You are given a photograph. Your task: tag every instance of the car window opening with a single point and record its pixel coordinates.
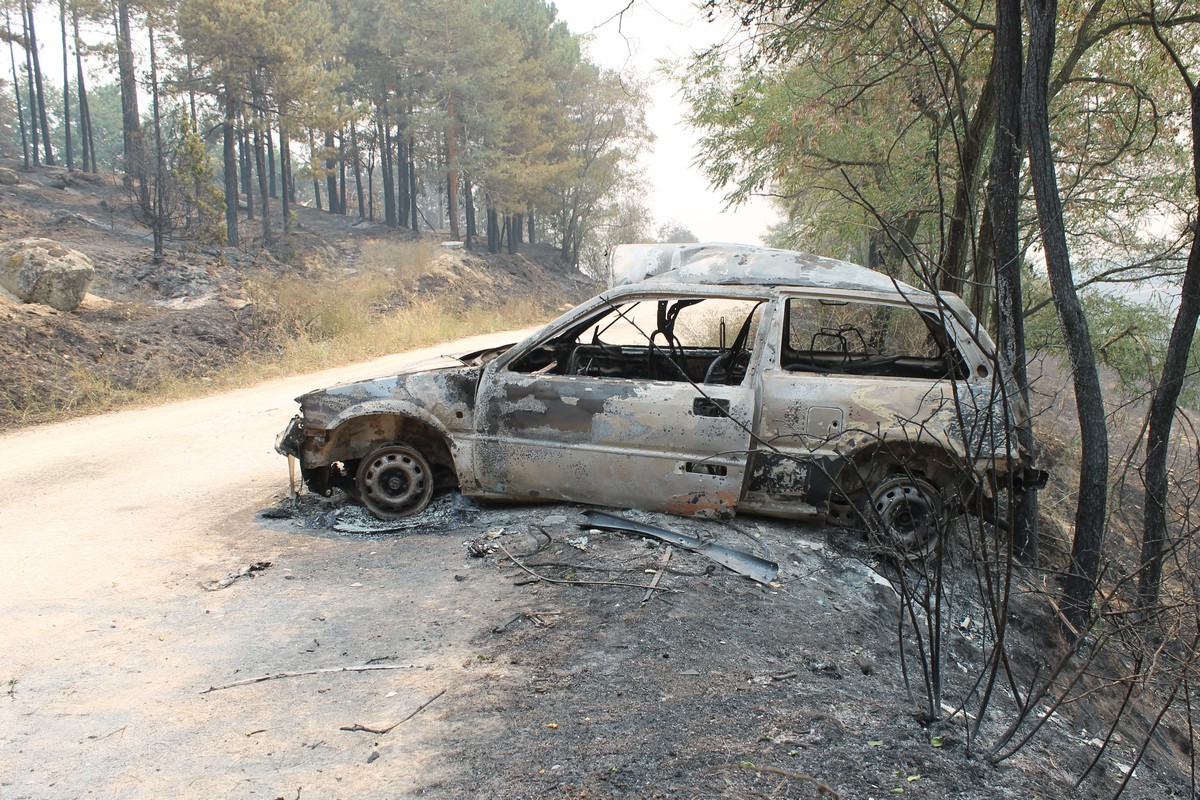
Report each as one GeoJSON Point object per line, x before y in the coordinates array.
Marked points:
{"type": "Point", "coordinates": [671, 339]}
{"type": "Point", "coordinates": [875, 339]}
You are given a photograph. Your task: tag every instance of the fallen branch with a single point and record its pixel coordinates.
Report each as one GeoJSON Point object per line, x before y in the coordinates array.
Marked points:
{"type": "Point", "coordinates": [245, 572]}
{"type": "Point", "coordinates": [274, 676]}
{"type": "Point", "coordinates": [390, 728]}
{"type": "Point", "coordinates": [822, 787]}
{"type": "Point", "coordinates": [584, 583]}
{"type": "Point", "coordinates": [662, 563]}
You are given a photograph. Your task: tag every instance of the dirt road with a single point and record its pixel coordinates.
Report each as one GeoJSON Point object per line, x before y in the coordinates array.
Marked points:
{"type": "Point", "coordinates": [108, 528]}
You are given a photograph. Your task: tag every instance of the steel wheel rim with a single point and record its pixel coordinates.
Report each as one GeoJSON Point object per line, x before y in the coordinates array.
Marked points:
{"type": "Point", "coordinates": [395, 481]}
{"type": "Point", "coordinates": [905, 516]}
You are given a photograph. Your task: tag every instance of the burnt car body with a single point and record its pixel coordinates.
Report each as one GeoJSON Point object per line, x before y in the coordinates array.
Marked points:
{"type": "Point", "coordinates": [709, 380]}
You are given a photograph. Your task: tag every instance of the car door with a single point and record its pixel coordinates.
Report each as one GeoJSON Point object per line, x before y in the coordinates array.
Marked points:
{"type": "Point", "coordinates": [622, 440]}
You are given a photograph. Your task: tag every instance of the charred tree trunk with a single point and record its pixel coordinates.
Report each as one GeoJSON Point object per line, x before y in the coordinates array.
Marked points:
{"type": "Point", "coordinates": [1004, 196]}
{"type": "Point", "coordinates": [43, 119]}
{"type": "Point", "coordinates": [493, 230]}
{"type": "Point", "coordinates": [229, 147]}
{"type": "Point", "coordinates": [34, 130]}
{"type": "Point", "coordinates": [131, 125]}
{"type": "Point", "coordinates": [12, 57]}
{"type": "Point", "coordinates": [68, 148]}
{"type": "Point", "coordinates": [260, 168]}
{"type": "Point", "coordinates": [1165, 400]}
{"type": "Point", "coordinates": [358, 184]}
{"type": "Point", "coordinates": [331, 187]}
{"type": "Point", "coordinates": [285, 177]}
{"type": "Point", "coordinates": [247, 165]}
{"type": "Point", "coordinates": [383, 132]}
{"type": "Point", "coordinates": [963, 216]}
{"type": "Point", "coordinates": [272, 192]}
{"type": "Point", "coordinates": [452, 170]}
{"type": "Point", "coordinates": [529, 223]}
{"type": "Point", "coordinates": [87, 140]}
{"type": "Point", "coordinates": [341, 157]}
{"type": "Point", "coordinates": [312, 159]}
{"type": "Point", "coordinates": [1084, 569]}
{"type": "Point", "coordinates": [469, 207]}
{"type": "Point", "coordinates": [412, 185]}
{"type": "Point", "coordinates": [403, 197]}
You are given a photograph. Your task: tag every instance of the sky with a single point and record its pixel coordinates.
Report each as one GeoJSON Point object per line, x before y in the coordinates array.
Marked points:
{"type": "Point", "coordinates": [634, 42]}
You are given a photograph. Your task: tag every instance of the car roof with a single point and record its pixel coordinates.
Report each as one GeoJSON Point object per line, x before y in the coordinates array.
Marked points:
{"type": "Point", "coordinates": [722, 264]}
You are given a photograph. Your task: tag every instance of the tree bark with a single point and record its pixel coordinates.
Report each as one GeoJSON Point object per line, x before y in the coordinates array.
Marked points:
{"type": "Point", "coordinates": [961, 226]}
{"type": "Point", "coordinates": [47, 146]}
{"type": "Point", "coordinates": [1004, 199]}
{"type": "Point", "coordinates": [452, 169]}
{"type": "Point", "coordinates": [412, 185]}
{"type": "Point", "coordinates": [86, 139]}
{"type": "Point", "coordinates": [34, 135]}
{"type": "Point", "coordinates": [312, 158]}
{"type": "Point", "coordinates": [1165, 400]}
{"type": "Point", "coordinates": [1084, 569]}
{"type": "Point", "coordinates": [358, 184]}
{"type": "Point", "coordinates": [331, 187]}
{"type": "Point", "coordinates": [131, 121]}
{"type": "Point", "coordinates": [271, 187]}
{"type": "Point", "coordinates": [12, 57]}
{"type": "Point", "coordinates": [68, 148]}
{"type": "Point", "coordinates": [386, 163]}
{"type": "Point", "coordinates": [285, 196]}
{"type": "Point", "coordinates": [229, 146]}
{"type": "Point", "coordinates": [260, 168]}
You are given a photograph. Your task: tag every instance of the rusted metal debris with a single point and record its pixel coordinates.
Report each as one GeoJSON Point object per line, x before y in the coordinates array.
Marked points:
{"type": "Point", "coordinates": [710, 380]}
{"type": "Point", "coordinates": [753, 567]}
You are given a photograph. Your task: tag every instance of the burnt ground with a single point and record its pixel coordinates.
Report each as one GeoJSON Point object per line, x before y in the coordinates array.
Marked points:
{"type": "Point", "coordinates": [189, 317]}
{"type": "Point", "coordinates": [720, 687]}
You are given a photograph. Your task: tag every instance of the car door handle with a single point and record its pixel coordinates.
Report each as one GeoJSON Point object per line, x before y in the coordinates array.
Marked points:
{"type": "Point", "coordinates": [710, 407]}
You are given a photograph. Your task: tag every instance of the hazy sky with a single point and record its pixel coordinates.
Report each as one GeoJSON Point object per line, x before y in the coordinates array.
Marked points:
{"type": "Point", "coordinates": [648, 31]}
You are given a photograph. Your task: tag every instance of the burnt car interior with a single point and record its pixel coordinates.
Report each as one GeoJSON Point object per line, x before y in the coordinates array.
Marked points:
{"type": "Point", "coordinates": [847, 338]}
{"type": "Point", "coordinates": [697, 339]}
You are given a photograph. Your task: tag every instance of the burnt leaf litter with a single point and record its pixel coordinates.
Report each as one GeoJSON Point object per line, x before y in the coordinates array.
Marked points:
{"type": "Point", "coordinates": [724, 687]}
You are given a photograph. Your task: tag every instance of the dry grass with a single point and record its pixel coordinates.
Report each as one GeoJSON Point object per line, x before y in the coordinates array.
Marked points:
{"type": "Point", "coordinates": [307, 325]}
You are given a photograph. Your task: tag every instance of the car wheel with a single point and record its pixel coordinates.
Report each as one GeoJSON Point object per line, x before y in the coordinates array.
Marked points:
{"type": "Point", "coordinates": [904, 517]}
{"type": "Point", "coordinates": [394, 481]}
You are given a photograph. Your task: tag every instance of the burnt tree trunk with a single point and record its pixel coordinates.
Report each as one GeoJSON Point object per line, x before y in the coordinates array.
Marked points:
{"type": "Point", "coordinates": [1004, 197]}
{"type": "Point", "coordinates": [12, 57]}
{"type": "Point", "coordinates": [358, 183]}
{"type": "Point", "coordinates": [34, 129]}
{"type": "Point", "coordinates": [285, 196]}
{"type": "Point", "coordinates": [331, 185]}
{"type": "Point", "coordinates": [961, 226]}
{"type": "Point", "coordinates": [229, 151]}
{"type": "Point", "coordinates": [412, 184]}
{"type": "Point", "coordinates": [1083, 571]}
{"type": "Point", "coordinates": [68, 147]}
{"type": "Point", "coordinates": [312, 157]}
{"type": "Point", "coordinates": [1166, 399]}
{"type": "Point", "coordinates": [87, 139]}
{"type": "Point", "coordinates": [131, 125]}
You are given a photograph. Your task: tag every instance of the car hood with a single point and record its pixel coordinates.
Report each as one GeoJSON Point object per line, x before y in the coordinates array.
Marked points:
{"type": "Point", "coordinates": [439, 387]}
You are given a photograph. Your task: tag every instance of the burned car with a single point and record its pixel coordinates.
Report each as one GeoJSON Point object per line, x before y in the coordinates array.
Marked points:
{"type": "Point", "coordinates": [709, 379]}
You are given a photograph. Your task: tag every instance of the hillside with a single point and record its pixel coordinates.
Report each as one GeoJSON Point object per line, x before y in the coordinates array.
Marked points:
{"type": "Point", "coordinates": [147, 327]}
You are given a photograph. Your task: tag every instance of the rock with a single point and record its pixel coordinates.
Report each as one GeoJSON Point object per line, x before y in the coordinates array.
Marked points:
{"type": "Point", "coordinates": [44, 271]}
{"type": "Point", "coordinates": [9, 177]}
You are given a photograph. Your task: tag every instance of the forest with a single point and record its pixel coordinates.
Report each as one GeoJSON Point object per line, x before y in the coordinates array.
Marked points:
{"type": "Point", "coordinates": [483, 119]}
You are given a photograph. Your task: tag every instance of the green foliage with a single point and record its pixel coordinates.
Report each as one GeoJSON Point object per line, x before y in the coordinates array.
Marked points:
{"type": "Point", "coordinates": [193, 171]}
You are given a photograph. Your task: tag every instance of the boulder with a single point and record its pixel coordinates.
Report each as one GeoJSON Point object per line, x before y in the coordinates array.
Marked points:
{"type": "Point", "coordinates": [44, 271]}
{"type": "Point", "coordinates": [9, 177]}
